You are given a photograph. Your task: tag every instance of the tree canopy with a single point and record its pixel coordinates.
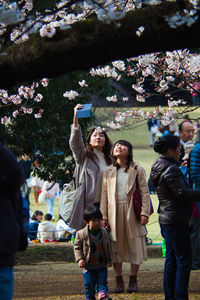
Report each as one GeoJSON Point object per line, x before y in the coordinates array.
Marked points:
{"type": "Point", "coordinates": [41, 40]}
{"type": "Point", "coordinates": [91, 42]}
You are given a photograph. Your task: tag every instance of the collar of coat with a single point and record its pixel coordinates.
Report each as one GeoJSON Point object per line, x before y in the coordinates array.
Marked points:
{"type": "Point", "coordinates": [132, 173]}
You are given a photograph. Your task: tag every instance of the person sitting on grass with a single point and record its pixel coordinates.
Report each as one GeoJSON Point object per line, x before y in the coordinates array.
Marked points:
{"type": "Point", "coordinates": [64, 231]}
{"type": "Point", "coordinates": [33, 226]}
{"type": "Point", "coordinates": [92, 251]}
{"type": "Point", "coordinates": [47, 230]}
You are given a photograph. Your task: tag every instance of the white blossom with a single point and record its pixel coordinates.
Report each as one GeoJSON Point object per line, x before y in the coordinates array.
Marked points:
{"type": "Point", "coordinates": [177, 20]}
{"type": "Point", "coordinates": [114, 126]}
{"type": "Point", "coordinates": [119, 64]}
{"type": "Point", "coordinates": [5, 120]}
{"type": "Point", "coordinates": [112, 98]}
{"type": "Point", "coordinates": [83, 83]}
{"type": "Point", "coordinates": [9, 14]}
{"type": "Point", "coordinates": [38, 97]}
{"type": "Point", "coordinates": [44, 82]}
{"type": "Point", "coordinates": [15, 113]}
{"type": "Point", "coordinates": [140, 30]}
{"type": "Point", "coordinates": [140, 98]}
{"type": "Point", "coordinates": [47, 31]}
{"type": "Point", "coordinates": [138, 89]}
{"type": "Point", "coordinates": [70, 94]}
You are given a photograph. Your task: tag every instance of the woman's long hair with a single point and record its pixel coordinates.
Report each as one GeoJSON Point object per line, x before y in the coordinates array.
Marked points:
{"type": "Point", "coordinates": [129, 157]}
{"type": "Point", "coordinates": [106, 148]}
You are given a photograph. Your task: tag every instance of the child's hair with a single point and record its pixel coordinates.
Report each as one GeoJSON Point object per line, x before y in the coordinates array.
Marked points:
{"type": "Point", "coordinates": [35, 214]}
{"type": "Point", "coordinates": [48, 217]}
{"type": "Point", "coordinates": [92, 213]}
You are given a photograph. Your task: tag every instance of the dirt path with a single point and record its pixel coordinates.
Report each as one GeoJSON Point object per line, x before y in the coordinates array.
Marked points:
{"type": "Point", "coordinates": [64, 281]}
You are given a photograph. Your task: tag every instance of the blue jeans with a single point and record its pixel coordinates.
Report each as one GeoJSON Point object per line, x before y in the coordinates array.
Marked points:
{"type": "Point", "coordinates": [6, 283]}
{"type": "Point", "coordinates": [50, 204]}
{"type": "Point", "coordinates": [96, 280]}
{"type": "Point", "coordinates": [178, 261]}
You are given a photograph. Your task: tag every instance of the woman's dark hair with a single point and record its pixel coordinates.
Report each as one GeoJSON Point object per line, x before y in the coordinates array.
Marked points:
{"type": "Point", "coordinates": [167, 142]}
{"type": "Point", "coordinates": [35, 214]}
{"type": "Point", "coordinates": [92, 213]}
{"type": "Point", "coordinates": [129, 157]}
{"type": "Point", "coordinates": [106, 148]}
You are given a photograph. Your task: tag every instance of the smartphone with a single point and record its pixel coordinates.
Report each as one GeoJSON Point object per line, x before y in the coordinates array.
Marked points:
{"type": "Point", "coordinates": [85, 111]}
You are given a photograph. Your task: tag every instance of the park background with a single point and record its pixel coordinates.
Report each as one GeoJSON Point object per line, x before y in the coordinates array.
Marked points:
{"type": "Point", "coordinates": [143, 154]}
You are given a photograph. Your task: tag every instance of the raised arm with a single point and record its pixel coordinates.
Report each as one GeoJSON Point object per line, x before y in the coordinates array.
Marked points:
{"type": "Point", "coordinates": [76, 140]}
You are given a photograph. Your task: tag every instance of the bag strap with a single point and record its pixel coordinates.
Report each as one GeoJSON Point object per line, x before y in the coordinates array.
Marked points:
{"type": "Point", "coordinates": [136, 178]}
{"type": "Point", "coordinates": [51, 186]}
{"type": "Point", "coordinates": [82, 171]}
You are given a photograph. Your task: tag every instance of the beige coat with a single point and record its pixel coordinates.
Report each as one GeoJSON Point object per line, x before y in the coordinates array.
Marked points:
{"type": "Point", "coordinates": [108, 199]}
{"type": "Point", "coordinates": [82, 248]}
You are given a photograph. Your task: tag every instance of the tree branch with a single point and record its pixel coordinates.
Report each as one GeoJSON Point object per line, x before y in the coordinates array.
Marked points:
{"type": "Point", "coordinates": [91, 43]}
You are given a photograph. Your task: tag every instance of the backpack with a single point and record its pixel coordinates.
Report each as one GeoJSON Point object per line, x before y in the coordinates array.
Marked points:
{"type": "Point", "coordinates": [23, 220]}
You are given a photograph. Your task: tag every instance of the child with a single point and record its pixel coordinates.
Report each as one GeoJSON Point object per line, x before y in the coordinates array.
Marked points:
{"type": "Point", "coordinates": [47, 230]}
{"type": "Point", "coordinates": [93, 253]}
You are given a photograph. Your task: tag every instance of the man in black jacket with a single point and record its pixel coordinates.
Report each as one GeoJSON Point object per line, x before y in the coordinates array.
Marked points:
{"type": "Point", "coordinates": [11, 179]}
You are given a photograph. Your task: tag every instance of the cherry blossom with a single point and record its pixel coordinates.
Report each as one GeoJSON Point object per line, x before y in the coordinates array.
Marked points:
{"type": "Point", "coordinates": [70, 94]}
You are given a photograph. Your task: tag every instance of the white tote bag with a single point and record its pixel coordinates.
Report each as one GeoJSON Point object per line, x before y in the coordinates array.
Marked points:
{"type": "Point", "coordinates": [42, 197]}
{"type": "Point", "coordinates": [69, 196]}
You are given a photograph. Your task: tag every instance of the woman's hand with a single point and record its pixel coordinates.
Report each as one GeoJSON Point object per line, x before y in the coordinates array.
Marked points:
{"type": "Point", "coordinates": [75, 121]}
{"type": "Point", "coordinates": [144, 220]}
{"type": "Point", "coordinates": [104, 223]}
{"type": "Point", "coordinates": [81, 263]}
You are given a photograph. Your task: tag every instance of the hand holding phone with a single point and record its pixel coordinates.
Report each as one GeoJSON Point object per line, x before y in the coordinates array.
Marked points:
{"type": "Point", "coordinates": [85, 111]}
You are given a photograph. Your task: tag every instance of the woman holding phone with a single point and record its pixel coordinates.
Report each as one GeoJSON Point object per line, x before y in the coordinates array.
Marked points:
{"type": "Point", "coordinates": [95, 155]}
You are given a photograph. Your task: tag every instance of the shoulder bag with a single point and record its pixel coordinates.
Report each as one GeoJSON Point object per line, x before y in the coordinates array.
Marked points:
{"type": "Point", "coordinates": [137, 200]}
{"type": "Point", "coordinates": [69, 196]}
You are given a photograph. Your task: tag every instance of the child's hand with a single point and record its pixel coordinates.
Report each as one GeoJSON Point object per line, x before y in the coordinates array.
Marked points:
{"type": "Point", "coordinates": [81, 263]}
{"type": "Point", "coordinates": [47, 195]}
{"type": "Point", "coordinates": [109, 265]}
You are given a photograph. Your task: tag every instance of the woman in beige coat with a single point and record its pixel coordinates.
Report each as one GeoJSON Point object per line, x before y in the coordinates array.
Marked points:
{"type": "Point", "coordinates": [127, 234]}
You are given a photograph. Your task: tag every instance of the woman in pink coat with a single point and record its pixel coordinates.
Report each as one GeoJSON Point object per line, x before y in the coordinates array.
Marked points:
{"type": "Point", "coordinates": [127, 234]}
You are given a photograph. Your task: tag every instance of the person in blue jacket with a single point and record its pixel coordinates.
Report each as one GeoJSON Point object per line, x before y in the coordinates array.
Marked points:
{"type": "Point", "coordinates": [33, 226]}
{"type": "Point", "coordinates": [194, 174]}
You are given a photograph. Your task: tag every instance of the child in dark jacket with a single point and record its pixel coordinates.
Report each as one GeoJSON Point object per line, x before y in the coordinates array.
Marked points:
{"type": "Point", "coordinates": [93, 253]}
